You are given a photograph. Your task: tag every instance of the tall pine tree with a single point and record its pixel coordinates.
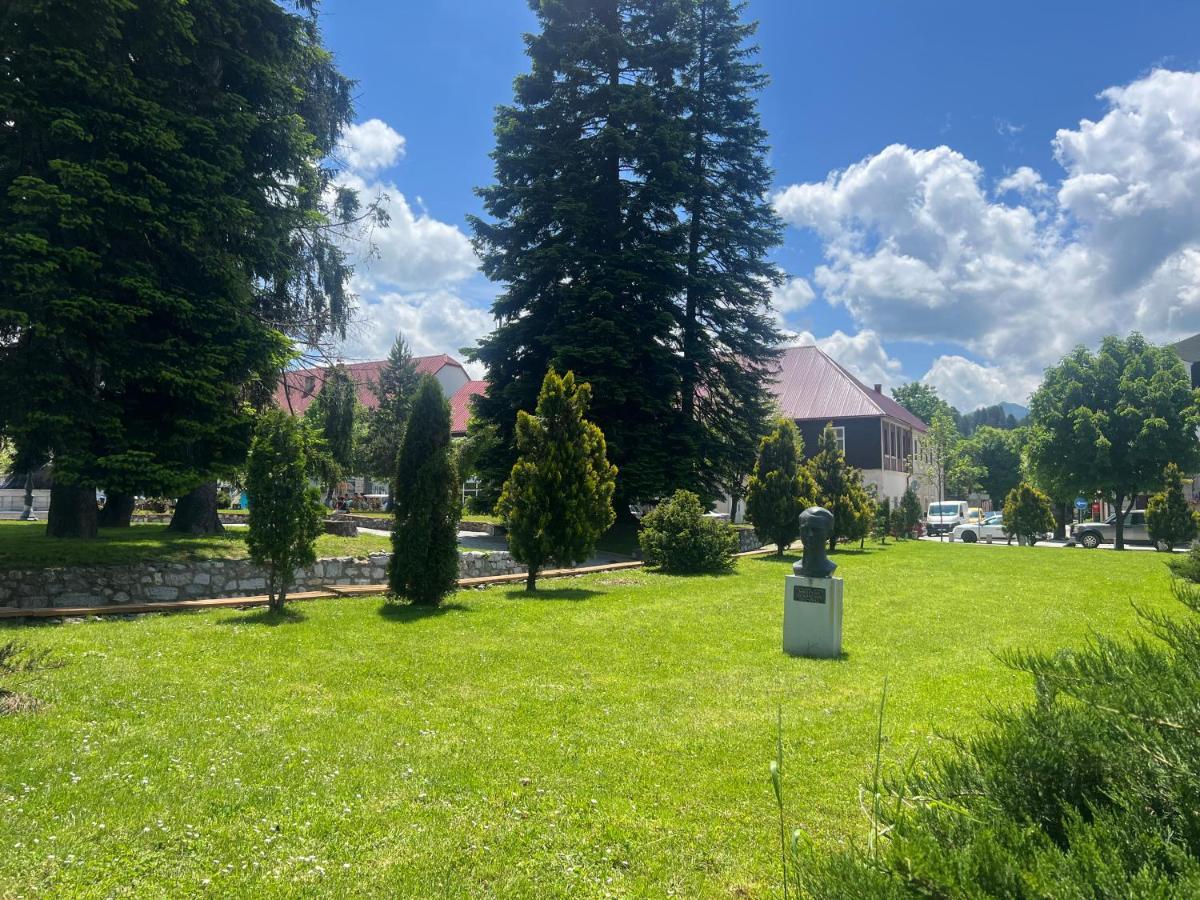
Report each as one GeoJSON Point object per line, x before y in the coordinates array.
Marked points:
{"type": "Point", "coordinates": [585, 233]}
{"type": "Point", "coordinates": [727, 337]}
{"type": "Point", "coordinates": [394, 392]}
{"type": "Point", "coordinates": [161, 233]}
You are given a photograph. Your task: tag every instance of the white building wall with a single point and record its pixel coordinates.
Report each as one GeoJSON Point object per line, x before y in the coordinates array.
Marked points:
{"type": "Point", "coordinates": [451, 378]}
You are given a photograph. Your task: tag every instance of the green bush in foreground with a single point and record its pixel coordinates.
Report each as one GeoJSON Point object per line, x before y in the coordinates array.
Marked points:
{"type": "Point", "coordinates": [285, 510]}
{"type": "Point", "coordinates": [426, 504]}
{"type": "Point", "coordinates": [677, 537]}
{"type": "Point", "coordinates": [1092, 790]}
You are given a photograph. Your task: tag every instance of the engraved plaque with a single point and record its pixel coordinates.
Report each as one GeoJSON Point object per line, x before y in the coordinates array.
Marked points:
{"type": "Point", "coordinates": [805, 594]}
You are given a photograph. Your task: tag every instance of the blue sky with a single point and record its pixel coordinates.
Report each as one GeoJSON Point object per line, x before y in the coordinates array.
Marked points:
{"type": "Point", "coordinates": [913, 262]}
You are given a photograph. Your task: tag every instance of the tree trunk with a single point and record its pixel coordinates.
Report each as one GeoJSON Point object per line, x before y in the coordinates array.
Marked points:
{"type": "Point", "coordinates": [1062, 513]}
{"type": "Point", "coordinates": [118, 510]}
{"type": "Point", "coordinates": [1119, 526]}
{"type": "Point", "coordinates": [531, 579]}
{"type": "Point", "coordinates": [196, 511]}
{"type": "Point", "coordinates": [27, 515]}
{"type": "Point", "coordinates": [72, 511]}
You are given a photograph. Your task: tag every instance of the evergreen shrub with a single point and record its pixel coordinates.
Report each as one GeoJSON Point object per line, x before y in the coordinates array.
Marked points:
{"type": "Point", "coordinates": [677, 537]}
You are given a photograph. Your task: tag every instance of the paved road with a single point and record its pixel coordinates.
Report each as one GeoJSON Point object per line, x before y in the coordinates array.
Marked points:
{"type": "Point", "coordinates": [1059, 545]}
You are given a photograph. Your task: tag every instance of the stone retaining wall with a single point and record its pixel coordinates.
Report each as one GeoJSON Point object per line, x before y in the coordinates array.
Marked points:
{"type": "Point", "coordinates": [747, 540]}
{"type": "Point", "coordinates": [156, 582]}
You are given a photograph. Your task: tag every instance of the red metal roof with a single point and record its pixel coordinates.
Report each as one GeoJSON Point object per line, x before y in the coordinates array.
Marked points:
{"type": "Point", "coordinates": [296, 391]}
{"type": "Point", "coordinates": [460, 406]}
{"type": "Point", "coordinates": [812, 385]}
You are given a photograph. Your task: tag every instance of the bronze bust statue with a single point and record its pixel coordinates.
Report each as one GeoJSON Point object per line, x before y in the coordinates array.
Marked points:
{"type": "Point", "coordinates": [816, 525]}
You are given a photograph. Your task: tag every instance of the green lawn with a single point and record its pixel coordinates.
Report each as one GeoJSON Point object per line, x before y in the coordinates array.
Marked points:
{"type": "Point", "coordinates": [24, 545]}
{"type": "Point", "coordinates": [608, 736]}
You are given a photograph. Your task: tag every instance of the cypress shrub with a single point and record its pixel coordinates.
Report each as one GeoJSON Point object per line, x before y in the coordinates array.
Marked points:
{"type": "Point", "coordinates": [285, 510]}
{"type": "Point", "coordinates": [426, 506]}
{"type": "Point", "coordinates": [1028, 513]}
{"type": "Point", "coordinates": [1169, 519]}
{"type": "Point", "coordinates": [557, 500]}
{"type": "Point", "coordinates": [780, 487]}
{"type": "Point", "coordinates": [677, 537]}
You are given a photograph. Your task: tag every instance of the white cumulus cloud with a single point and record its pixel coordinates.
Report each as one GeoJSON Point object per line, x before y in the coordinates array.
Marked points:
{"type": "Point", "coordinates": [969, 385]}
{"type": "Point", "coordinates": [916, 248]}
{"type": "Point", "coordinates": [370, 146]}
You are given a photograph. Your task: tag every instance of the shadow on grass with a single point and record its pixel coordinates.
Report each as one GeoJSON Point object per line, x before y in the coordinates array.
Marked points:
{"type": "Point", "coordinates": [570, 594]}
{"type": "Point", "coordinates": [409, 612]}
{"type": "Point", "coordinates": [772, 558]}
{"type": "Point", "coordinates": [289, 615]}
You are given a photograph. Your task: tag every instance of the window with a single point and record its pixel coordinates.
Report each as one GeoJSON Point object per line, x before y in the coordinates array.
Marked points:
{"type": "Point", "coordinates": [310, 385]}
{"type": "Point", "coordinates": [840, 433]}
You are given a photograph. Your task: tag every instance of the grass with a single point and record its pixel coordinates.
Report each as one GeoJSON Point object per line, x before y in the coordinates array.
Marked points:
{"type": "Point", "coordinates": [24, 545]}
{"type": "Point", "coordinates": [608, 735]}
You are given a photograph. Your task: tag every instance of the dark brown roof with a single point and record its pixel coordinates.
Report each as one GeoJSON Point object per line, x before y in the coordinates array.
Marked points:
{"type": "Point", "coordinates": [294, 393]}
{"type": "Point", "coordinates": [813, 385]}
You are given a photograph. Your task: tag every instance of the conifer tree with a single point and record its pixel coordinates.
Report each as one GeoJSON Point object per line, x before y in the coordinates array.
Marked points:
{"type": "Point", "coordinates": [394, 392]}
{"type": "Point", "coordinates": [882, 525]}
{"type": "Point", "coordinates": [780, 487]}
{"type": "Point", "coordinates": [332, 414]}
{"type": "Point", "coordinates": [910, 511]}
{"type": "Point", "coordinates": [857, 510]}
{"type": "Point", "coordinates": [285, 510]}
{"type": "Point", "coordinates": [836, 485]}
{"type": "Point", "coordinates": [424, 565]}
{"type": "Point", "coordinates": [558, 498]}
{"type": "Point", "coordinates": [1028, 514]}
{"type": "Point", "coordinates": [585, 237]}
{"type": "Point", "coordinates": [1169, 519]}
{"type": "Point", "coordinates": [727, 337]}
{"type": "Point", "coordinates": [165, 231]}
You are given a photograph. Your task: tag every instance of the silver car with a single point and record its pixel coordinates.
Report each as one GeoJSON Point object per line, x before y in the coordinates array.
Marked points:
{"type": "Point", "coordinates": [1092, 534]}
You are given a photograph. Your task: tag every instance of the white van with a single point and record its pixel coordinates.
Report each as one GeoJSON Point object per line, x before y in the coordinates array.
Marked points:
{"type": "Point", "coordinates": [943, 517]}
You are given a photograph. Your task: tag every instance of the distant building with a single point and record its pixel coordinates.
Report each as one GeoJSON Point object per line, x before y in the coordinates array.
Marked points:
{"type": "Point", "coordinates": [877, 434]}
{"type": "Point", "coordinates": [300, 386]}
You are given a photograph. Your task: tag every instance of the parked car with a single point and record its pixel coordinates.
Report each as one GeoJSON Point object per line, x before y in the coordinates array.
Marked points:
{"type": "Point", "coordinates": [992, 527]}
{"type": "Point", "coordinates": [945, 515]}
{"type": "Point", "coordinates": [975, 515]}
{"type": "Point", "coordinates": [1092, 534]}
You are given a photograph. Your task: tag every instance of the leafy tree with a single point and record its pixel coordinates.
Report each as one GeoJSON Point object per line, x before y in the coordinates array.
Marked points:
{"type": "Point", "coordinates": [679, 538]}
{"type": "Point", "coordinates": [332, 414]}
{"type": "Point", "coordinates": [998, 453]}
{"type": "Point", "coordinates": [426, 504]}
{"type": "Point", "coordinates": [1086, 790]}
{"type": "Point", "coordinates": [1027, 513]}
{"type": "Point", "coordinates": [558, 498]}
{"type": "Point", "coordinates": [922, 401]}
{"type": "Point", "coordinates": [942, 439]}
{"type": "Point", "coordinates": [1168, 517]}
{"type": "Point", "coordinates": [285, 510]}
{"type": "Point", "coordinates": [394, 392]}
{"type": "Point", "coordinates": [590, 280]}
{"type": "Point", "coordinates": [1110, 422]}
{"type": "Point", "coordinates": [840, 490]}
{"type": "Point", "coordinates": [910, 512]}
{"type": "Point", "coordinates": [780, 487]}
{"type": "Point", "coordinates": [162, 233]}
{"type": "Point", "coordinates": [727, 338]}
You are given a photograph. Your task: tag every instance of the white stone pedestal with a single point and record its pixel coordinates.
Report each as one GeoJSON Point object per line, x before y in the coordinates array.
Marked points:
{"type": "Point", "coordinates": [812, 617]}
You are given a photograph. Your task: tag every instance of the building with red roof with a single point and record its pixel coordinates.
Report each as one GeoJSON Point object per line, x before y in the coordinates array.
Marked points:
{"type": "Point", "coordinates": [878, 435]}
